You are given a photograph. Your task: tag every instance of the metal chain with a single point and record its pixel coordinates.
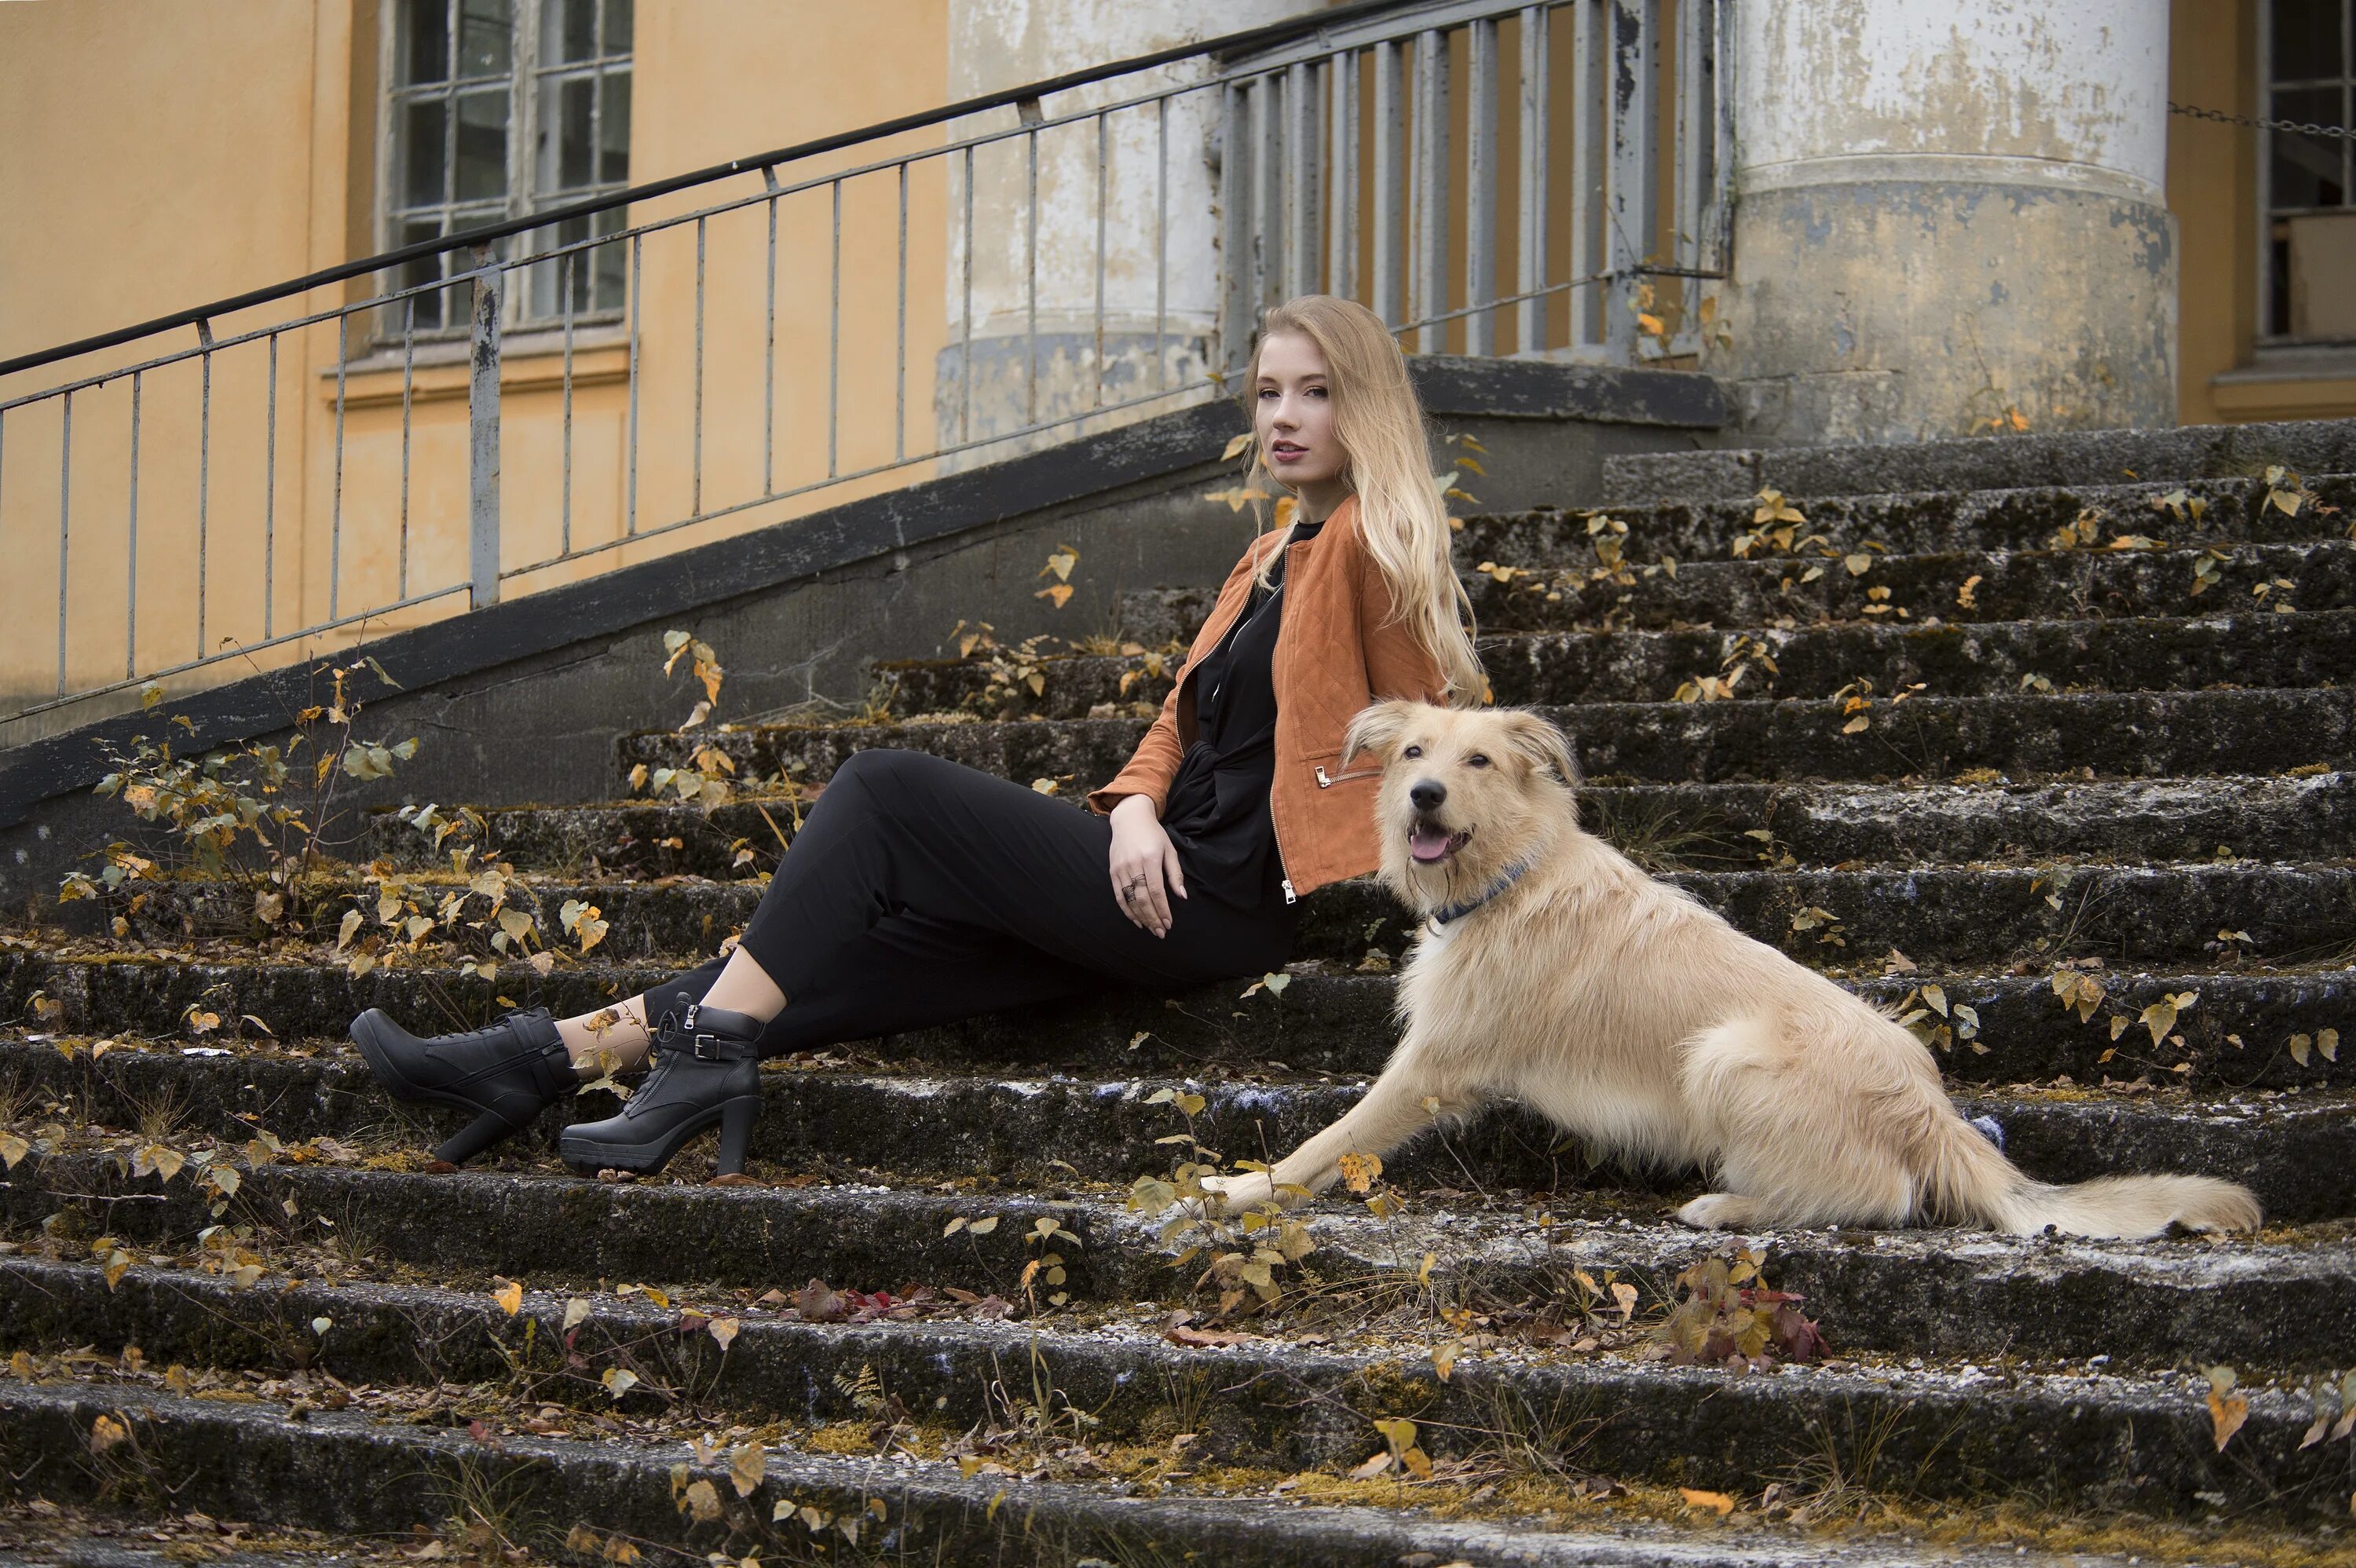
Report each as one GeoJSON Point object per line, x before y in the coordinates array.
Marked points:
{"type": "Point", "coordinates": [2308, 129]}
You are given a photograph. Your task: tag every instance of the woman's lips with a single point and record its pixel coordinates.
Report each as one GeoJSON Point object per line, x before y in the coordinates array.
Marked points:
{"type": "Point", "coordinates": [1287, 454]}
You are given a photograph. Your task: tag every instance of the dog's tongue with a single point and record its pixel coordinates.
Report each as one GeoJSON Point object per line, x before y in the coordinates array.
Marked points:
{"type": "Point", "coordinates": [1427, 843]}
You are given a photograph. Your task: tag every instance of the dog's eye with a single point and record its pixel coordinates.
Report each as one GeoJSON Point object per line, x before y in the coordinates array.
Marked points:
{"type": "Point", "coordinates": [1476, 761]}
{"type": "Point", "coordinates": [1412, 752]}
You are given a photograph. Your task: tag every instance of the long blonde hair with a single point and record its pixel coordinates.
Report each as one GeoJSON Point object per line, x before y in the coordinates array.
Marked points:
{"type": "Point", "coordinates": [1387, 463]}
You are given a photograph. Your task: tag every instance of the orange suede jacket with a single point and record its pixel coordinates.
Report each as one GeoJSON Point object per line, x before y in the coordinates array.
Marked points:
{"type": "Point", "coordinates": [1337, 650]}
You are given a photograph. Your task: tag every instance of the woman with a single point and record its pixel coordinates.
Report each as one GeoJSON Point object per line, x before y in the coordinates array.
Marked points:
{"type": "Point", "coordinates": [920, 891]}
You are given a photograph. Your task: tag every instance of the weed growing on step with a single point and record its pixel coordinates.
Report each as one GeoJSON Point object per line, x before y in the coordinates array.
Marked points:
{"type": "Point", "coordinates": [1244, 1251]}
{"type": "Point", "coordinates": [263, 818]}
{"type": "Point", "coordinates": [1728, 1316]}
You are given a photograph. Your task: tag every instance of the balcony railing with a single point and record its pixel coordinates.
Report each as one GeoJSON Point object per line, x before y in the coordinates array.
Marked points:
{"type": "Point", "coordinates": [1489, 177]}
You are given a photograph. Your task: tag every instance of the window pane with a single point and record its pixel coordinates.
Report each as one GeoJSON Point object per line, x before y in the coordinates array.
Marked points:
{"type": "Point", "coordinates": [610, 264]}
{"type": "Point", "coordinates": [565, 109]}
{"type": "Point", "coordinates": [2307, 40]}
{"type": "Point", "coordinates": [483, 145]}
{"type": "Point", "coordinates": [568, 31]}
{"type": "Point", "coordinates": [617, 26]}
{"type": "Point", "coordinates": [2308, 170]}
{"type": "Point", "coordinates": [420, 151]}
{"type": "Point", "coordinates": [486, 31]}
{"type": "Point", "coordinates": [423, 270]}
{"type": "Point", "coordinates": [425, 46]}
{"type": "Point", "coordinates": [614, 132]}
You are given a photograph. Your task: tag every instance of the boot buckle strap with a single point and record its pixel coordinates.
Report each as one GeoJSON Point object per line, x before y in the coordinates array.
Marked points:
{"type": "Point", "coordinates": [700, 1041]}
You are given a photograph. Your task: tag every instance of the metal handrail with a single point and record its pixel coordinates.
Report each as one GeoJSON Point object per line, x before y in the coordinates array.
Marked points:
{"type": "Point", "coordinates": [1030, 92]}
{"type": "Point", "coordinates": [1282, 102]}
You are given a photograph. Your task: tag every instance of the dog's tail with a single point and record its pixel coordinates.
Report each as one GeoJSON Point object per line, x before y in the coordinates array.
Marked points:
{"type": "Point", "coordinates": [1964, 1177]}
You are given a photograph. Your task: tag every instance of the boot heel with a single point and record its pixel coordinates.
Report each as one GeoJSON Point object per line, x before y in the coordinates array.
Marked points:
{"type": "Point", "coordinates": [473, 1139]}
{"type": "Point", "coordinates": [736, 1118]}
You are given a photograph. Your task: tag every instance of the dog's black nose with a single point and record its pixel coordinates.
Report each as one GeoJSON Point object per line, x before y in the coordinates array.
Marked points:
{"type": "Point", "coordinates": [1428, 794]}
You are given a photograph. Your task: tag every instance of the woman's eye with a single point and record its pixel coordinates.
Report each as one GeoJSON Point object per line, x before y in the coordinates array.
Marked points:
{"type": "Point", "coordinates": [1412, 752]}
{"type": "Point", "coordinates": [1476, 761]}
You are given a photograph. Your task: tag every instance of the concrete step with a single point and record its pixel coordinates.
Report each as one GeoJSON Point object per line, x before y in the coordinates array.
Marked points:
{"type": "Point", "coordinates": [2004, 585]}
{"type": "Point", "coordinates": [2077, 457]}
{"type": "Point", "coordinates": [1933, 737]}
{"type": "Point", "coordinates": [935, 1121]}
{"type": "Point", "coordinates": [2286, 1305]}
{"type": "Point", "coordinates": [1985, 659]}
{"type": "Point", "coordinates": [1573, 592]}
{"type": "Point", "coordinates": [348, 1470]}
{"type": "Point", "coordinates": [1918, 520]}
{"type": "Point", "coordinates": [1951, 915]}
{"type": "Point", "coordinates": [2237, 1035]}
{"type": "Point", "coordinates": [1700, 826]}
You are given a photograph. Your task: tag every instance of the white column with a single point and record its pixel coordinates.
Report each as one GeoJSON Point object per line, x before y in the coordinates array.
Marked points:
{"type": "Point", "coordinates": [1017, 378]}
{"type": "Point", "coordinates": [1950, 212]}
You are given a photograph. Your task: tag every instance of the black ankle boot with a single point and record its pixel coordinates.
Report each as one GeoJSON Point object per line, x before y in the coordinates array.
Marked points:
{"type": "Point", "coordinates": [508, 1073]}
{"type": "Point", "coordinates": [707, 1069]}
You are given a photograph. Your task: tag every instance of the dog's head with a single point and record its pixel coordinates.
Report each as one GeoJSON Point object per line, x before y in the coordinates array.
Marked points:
{"type": "Point", "coordinates": [1466, 792]}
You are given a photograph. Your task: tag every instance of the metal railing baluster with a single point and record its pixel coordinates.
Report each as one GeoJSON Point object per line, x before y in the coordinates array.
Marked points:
{"type": "Point", "coordinates": [482, 432]}
{"type": "Point", "coordinates": [769, 346]}
{"type": "Point", "coordinates": [204, 478]}
{"type": "Point", "coordinates": [564, 510]}
{"type": "Point", "coordinates": [1431, 172]}
{"type": "Point", "coordinates": [336, 523]}
{"type": "Point", "coordinates": [1390, 146]}
{"type": "Point", "coordinates": [833, 332]}
{"type": "Point", "coordinates": [1536, 98]}
{"type": "Point", "coordinates": [131, 547]}
{"type": "Point", "coordinates": [65, 522]}
{"type": "Point", "coordinates": [695, 482]}
{"type": "Point", "coordinates": [1481, 184]}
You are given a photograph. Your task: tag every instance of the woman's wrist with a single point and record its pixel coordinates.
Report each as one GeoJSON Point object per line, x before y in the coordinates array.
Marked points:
{"type": "Point", "coordinates": [1137, 805]}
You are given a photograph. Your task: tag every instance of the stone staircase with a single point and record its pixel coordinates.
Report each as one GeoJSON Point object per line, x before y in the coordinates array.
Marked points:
{"type": "Point", "coordinates": [2097, 827]}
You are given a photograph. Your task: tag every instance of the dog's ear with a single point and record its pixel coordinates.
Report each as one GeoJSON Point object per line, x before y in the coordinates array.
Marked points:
{"type": "Point", "coordinates": [1378, 728]}
{"type": "Point", "coordinates": [1541, 742]}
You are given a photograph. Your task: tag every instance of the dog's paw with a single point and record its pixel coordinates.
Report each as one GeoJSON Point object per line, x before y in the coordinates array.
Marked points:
{"type": "Point", "coordinates": [1719, 1211]}
{"type": "Point", "coordinates": [1245, 1191]}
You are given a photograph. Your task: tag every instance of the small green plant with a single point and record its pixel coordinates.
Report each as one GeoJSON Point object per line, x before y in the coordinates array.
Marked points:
{"type": "Point", "coordinates": [263, 816]}
{"type": "Point", "coordinates": [1242, 1249]}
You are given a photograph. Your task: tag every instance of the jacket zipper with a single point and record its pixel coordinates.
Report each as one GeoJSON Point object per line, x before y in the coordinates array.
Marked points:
{"type": "Point", "coordinates": [1325, 783]}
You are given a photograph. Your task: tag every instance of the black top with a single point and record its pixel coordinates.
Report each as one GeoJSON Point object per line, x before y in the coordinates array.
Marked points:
{"type": "Point", "coordinates": [1217, 810]}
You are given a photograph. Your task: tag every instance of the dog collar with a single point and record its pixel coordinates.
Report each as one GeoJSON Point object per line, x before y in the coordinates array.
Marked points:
{"type": "Point", "coordinates": [1505, 879]}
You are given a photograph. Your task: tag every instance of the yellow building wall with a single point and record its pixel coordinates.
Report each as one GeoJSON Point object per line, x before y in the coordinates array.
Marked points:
{"type": "Point", "coordinates": [174, 155]}
{"type": "Point", "coordinates": [2213, 191]}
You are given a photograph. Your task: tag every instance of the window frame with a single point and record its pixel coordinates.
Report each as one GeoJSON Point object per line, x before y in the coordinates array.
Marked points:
{"type": "Point", "coordinates": [2264, 337]}
{"type": "Point", "coordinates": [525, 78]}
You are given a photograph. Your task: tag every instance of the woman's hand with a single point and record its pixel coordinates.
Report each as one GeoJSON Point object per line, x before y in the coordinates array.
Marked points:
{"type": "Point", "coordinates": [1143, 859]}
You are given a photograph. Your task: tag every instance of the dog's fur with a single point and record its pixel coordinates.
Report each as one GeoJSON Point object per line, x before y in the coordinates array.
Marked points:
{"type": "Point", "coordinates": [1636, 1019]}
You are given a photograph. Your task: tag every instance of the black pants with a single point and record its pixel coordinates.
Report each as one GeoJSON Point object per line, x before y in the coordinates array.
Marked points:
{"type": "Point", "coordinates": [920, 891]}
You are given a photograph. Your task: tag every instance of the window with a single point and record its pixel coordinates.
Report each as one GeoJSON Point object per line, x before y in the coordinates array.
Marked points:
{"type": "Point", "coordinates": [2309, 251]}
{"type": "Point", "coordinates": [497, 109]}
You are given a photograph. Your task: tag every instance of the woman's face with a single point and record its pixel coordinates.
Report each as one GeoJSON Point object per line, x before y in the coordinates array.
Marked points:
{"type": "Point", "coordinates": [1293, 416]}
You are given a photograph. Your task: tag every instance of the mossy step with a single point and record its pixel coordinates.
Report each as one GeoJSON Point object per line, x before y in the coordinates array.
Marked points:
{"type": "Point", "coordinates": [935, 1122]}
{"type": "Point", "coordinates": [1964, 1294]}
{"type": "Point", "coordinates": [2243, 649]}
{"type": "Point", "coordinates": [1577, 593]}
{"type": "Point", "coordinates": [2003, 585]}
{"type": "Point", "coordinates": [345, 1470]}
{"type": "Point", "coordinates": [1925, 522]}
{"type": "Point", "coordinates": [1949, 916]}
{"type": "Point", "coordinates": [2167, 455]}
{"type": "Point", "coordinates": [1931, 738]}
{"type": "Point", "coordinates": [2239, 1034]}
{"type": "Point", "coordinates": [1666, 826]}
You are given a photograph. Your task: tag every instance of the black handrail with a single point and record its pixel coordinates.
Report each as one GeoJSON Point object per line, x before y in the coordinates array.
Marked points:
{"type": "Point", "coordinates": [1229, 44]}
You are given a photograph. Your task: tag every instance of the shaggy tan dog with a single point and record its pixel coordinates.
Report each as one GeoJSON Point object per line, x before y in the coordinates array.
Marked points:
{"type": "Point", "coordinates": [1558, 974]}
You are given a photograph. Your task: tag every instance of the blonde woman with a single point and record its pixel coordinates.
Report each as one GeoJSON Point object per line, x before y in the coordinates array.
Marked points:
{"type": "Point", "coordinates": [920, 891]}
